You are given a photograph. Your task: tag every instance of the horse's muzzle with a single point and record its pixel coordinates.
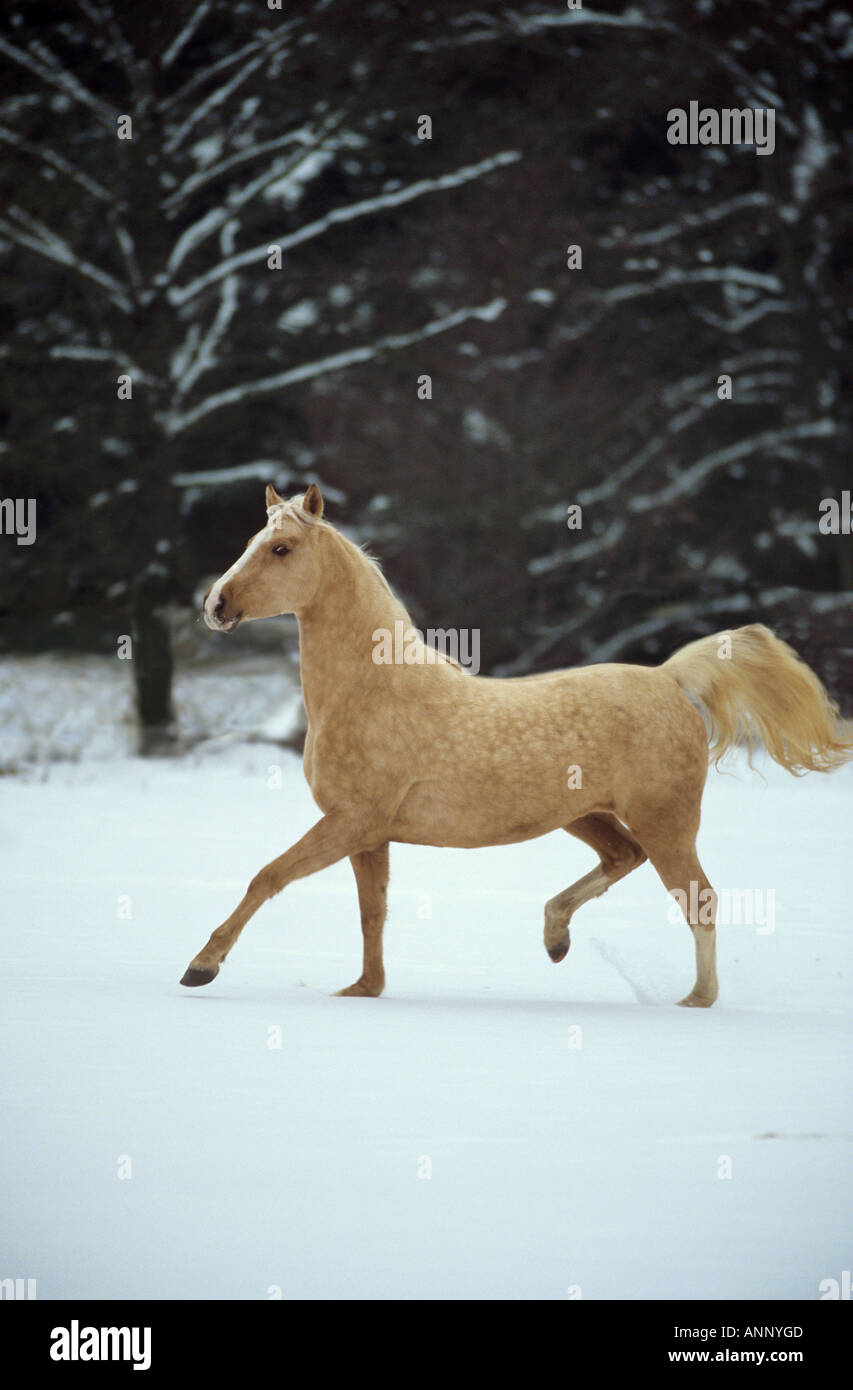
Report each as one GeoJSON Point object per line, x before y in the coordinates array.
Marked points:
{"type": "Point", "coordinates": [216, 618]}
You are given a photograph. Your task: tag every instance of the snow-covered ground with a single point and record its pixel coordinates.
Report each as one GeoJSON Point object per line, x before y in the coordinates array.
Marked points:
{"type": "Point", "coordinates": [56, 709]}
{"type": "Point", "coordinates": [493, 1127]}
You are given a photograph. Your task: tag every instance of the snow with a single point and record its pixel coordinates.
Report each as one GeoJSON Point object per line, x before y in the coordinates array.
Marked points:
{"type": "Point", "coordinates": [572, 1121]}
{"type": "Point", "coordinates": [205, 151]}
{"type": "Point", "coordinates": [291, 186]}
{"type": "Point", "coordinates": [480, 430]}
{"type": "Point", "coordinates": [302, 315]}
{"type": "Point", "coordinates": [77, 709]}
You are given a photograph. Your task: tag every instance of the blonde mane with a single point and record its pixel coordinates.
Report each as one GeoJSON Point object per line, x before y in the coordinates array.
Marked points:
{"type": "Point", "coordinates": [293, 510]}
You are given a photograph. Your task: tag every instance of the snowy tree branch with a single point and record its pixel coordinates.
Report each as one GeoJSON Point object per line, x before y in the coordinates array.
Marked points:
{"type": "Point", "coordinates": [181, 294]}
{"type": "Point", "coordinates": [688, 480]}
{"type": "Point", "coordinates": [205, 357]}
{"type": "Point", "coordinates": [116, 46]}
{"type": "Point", "coordinates": [42, 63]}
{"type": "Point", "coordinates": [52, 247]}
{"type": "Point", "coordinates": [128, 251]}
{"type": "Point", "coordinates": [694, 476]}
{"type": "Point", "coordinates": [183, 37]}
{"type": "Point", "coordinates": [216, 98]}
{"type": "Point", "coordinates": [175, 422]}
{"type": "Point", "coordinates": [738, 322]}
{"type": "Point", "coordinates": [216, 217]}
{"type": "Point", "coordinates": [58, 162]}
{"type": "Point", "coordinates": [731, 274]}
{"type": "Point", "coordinates": [689, 222]}
{"type": "Point", "coordinates": [215, 171]}
{"type": "Point", "coordinates": [513, 22]}
{"type": "Point", "coordinates": [602, 300]}
{"type": "Point", "coordinates": [268, 41]}
{"type": "Point", "coordinates": [76, 352]}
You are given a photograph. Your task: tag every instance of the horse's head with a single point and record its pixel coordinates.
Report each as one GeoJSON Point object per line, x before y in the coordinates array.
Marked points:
{"type": "Point", "coordinates": [277, 572]}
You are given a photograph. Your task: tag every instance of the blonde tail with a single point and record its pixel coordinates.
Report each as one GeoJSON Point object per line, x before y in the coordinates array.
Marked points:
{"type": "Point", "coordinates": [755, 689]}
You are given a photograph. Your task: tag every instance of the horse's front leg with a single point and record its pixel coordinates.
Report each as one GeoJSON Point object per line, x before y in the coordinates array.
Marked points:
{"type": "Point", "coordinates": [371, 876]}
{"type": "Point", "coordinates": [329, 840]}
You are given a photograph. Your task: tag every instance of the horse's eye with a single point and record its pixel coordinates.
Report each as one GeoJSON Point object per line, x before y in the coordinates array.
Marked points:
{"type": "Point", "coordinates": [281, 550]}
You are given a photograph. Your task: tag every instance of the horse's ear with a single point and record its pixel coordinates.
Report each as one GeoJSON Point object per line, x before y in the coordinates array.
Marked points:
{"type": "Point", "coordinates": [313, 501]}
{"type": "Point", "coordinates": [272, 496]}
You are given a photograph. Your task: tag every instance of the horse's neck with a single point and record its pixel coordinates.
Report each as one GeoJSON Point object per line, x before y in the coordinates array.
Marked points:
{"type": "Point", "coordinates": [336, 631]}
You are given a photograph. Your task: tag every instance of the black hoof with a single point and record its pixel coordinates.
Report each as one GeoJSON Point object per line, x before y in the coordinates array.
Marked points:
{"type": "Point", "coordinates": [198, 977]}
{"type": "Point", "coordinates": [560, 951]}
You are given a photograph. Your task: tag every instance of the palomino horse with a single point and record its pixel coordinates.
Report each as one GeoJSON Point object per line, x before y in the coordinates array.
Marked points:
{"type": "Point", "coordinates": [422, 752]}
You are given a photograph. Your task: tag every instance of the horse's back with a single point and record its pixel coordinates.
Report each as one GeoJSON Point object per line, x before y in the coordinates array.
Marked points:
{"type": "Point", "coordinates": [513, 758]}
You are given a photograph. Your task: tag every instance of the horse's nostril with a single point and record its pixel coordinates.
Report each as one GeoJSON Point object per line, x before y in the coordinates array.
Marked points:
{"type": "Point", "coordinates": [220, 605]}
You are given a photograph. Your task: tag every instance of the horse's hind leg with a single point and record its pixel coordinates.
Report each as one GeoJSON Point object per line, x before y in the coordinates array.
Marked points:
{"type": "Point", "coordinates": [677, 871]}
{"type": "Point", "coordinates": [619, 853]}
{"type": "Point", "coordinates": [671, 848]}
{"type": "Point", "coordinates": [371, 876]}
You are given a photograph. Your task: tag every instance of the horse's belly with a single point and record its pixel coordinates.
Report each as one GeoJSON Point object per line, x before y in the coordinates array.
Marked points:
{"type": "Point", "coordinates": [433, 814]}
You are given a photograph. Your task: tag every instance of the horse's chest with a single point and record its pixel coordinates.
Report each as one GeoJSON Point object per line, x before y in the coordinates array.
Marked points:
{"type": "Point", "coordinates": [336, 776]}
